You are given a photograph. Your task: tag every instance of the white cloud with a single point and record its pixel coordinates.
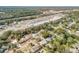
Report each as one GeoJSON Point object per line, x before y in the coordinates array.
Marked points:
{"type": "Point", "coordinates": [39, 2]}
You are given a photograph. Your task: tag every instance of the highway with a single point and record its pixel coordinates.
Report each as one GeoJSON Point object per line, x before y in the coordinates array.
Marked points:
{"type": "Point", "coordinates": [34, 22]}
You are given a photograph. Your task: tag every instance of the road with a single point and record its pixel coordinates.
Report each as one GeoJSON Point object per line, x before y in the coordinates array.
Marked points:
{"type": "Point", "coordinates": [30, 23]}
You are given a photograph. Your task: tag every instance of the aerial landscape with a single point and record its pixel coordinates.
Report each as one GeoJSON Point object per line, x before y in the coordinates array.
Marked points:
{"type": "Point", "coordinates": [39, 29]}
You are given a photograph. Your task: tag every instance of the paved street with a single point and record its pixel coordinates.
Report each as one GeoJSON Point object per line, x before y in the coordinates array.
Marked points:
{"type": "Point", "coordinates": [33, 22]}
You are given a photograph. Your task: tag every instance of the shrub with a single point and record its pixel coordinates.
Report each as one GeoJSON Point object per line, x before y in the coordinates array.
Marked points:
{"type": "Point", "coordinates": [5, 35]}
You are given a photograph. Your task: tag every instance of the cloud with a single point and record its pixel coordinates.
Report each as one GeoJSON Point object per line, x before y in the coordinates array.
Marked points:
{"type": "Point", "coordinates": [39, 2]}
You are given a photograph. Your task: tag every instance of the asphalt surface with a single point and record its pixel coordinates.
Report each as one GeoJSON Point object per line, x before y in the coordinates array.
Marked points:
{"type": "Point", "coordinates": [34, 22]}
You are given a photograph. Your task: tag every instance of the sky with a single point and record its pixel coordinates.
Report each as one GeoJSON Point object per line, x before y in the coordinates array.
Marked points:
{"type": "Point", "coordinates": [39, 3]}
